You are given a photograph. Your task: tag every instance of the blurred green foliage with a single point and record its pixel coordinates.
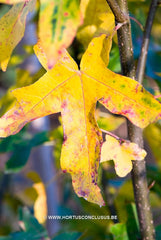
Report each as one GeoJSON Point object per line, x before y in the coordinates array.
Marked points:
{"type": "Point", "coordinates": [29, 228]}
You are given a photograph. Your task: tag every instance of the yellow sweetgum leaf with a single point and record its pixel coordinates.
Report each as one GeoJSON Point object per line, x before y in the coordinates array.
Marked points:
{"type": "Point", "coordinates": [57, 27]}
{"type": "Point", "coordinates": [12, 27]}
{"type": "Point", "coordinates": [74, 93]}
{"type": "Point", "coordinates": [98, 19]}
{"type": "Point", "coordinates": [122, 154]}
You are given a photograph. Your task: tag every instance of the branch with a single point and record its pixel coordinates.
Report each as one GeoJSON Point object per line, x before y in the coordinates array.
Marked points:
{"type": "Point", "coordinates": [139, 178]}
{"type": "Point", "coordinates": [124, 41]}
{"type": "Point", "coordinates": [119, 15]}
{"type": "Point", "coordinates": [145, 44]}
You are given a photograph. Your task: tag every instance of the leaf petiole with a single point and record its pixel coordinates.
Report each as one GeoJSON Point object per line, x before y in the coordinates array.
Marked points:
{"type": "Point", "coordinates": [121, 140]}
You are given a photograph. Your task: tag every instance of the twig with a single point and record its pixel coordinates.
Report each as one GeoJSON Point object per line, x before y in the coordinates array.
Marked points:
{"type": "Point", "coordinates": [54, 178]}
{"type": "Point", "coordinates": [139, 24]}
{"type": "Point", "coordinates": [110, 133]}
{"type": "Point", "coordinates": [114, 136]}
{"type": "Point", "coordinates": [135, 134]}
{"type": "Point", "coordinates": [145, 44]}
{"type": "Point", "coordinates": [151, 185]}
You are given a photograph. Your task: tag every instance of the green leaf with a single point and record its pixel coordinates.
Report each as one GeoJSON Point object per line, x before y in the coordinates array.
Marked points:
{"type": "Point", "coordinates": [31, 224]}
{"type": "Point", "coordinates": [33, 230]}
{"type": "Point", "coordinates": [130, 229]}
{"type": "Point", "coordinates": [119, 231]}
{"type": "Point", "coordinates": [114, 63]}
{"type": "Point", "coordinates": [21, 145]}
{"type": "Point", "coordinates": [125, 194]}
{"type": "Point", "coordinates": [18, 159]}
{"type": "Point", "coordinates": [8, 144]}
{"type": "Point", "coordinates": [132, 223]}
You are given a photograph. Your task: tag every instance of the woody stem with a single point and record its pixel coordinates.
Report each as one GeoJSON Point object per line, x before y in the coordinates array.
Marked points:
{"type": "Point", "coordinates": [139, 178]}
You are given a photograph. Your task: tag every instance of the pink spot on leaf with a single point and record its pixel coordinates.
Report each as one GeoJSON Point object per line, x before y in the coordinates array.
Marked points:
{"type": "Point", "coordinates": [66, 14]}
{"type": "Point", "coordinates": [128, 112]}
{"type": "Point", "coordinates": [60, 52]}
{"type": "Point", "coordinates": [105, 101]}
{"type": "Point", "coordinates": [126, 169]}
{"type": "Point", "coordinates": [137, 88]}
{"type": "Point", "coordinates": [64, 104]}
{"type": "Point", "coordinates": [82, 193]}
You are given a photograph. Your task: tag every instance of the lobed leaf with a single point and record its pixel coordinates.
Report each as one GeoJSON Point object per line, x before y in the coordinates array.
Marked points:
{"type": "Point", "coordinates": [12, 27]}
{"type": "Point", "coordinates": [121, 154]}
{"type": "Point", "coordinates": [75, 93]}
{"type": "Point", "coordinates": [62, 19]}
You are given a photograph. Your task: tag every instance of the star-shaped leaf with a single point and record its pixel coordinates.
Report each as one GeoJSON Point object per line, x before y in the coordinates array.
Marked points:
{"type": "Point", "coordinates": [74, 93]}
{"type": "Point", "coordinates": [121, 154]}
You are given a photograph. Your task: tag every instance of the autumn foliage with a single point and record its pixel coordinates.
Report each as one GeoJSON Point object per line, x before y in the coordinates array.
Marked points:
{"type": "Point", "coordinates": [74, 91]}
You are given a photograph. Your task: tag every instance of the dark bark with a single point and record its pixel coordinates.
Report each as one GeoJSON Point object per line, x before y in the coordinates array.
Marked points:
{"type": "Point", "coordinates": [139, 177]}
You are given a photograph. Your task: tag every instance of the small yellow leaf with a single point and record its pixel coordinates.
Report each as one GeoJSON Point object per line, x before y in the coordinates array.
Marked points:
{"type": "Point", "coordinates": [121, 154]}
{"type": "Point", "coordinates": [12, 27]}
